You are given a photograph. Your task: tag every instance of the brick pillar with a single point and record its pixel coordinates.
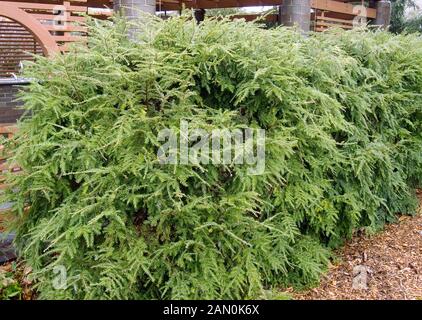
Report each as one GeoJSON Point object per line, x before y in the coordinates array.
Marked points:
{"type": "Point", "coordinates": [296, 12]}
{"type": "Point", "coordinates": [383, 13]}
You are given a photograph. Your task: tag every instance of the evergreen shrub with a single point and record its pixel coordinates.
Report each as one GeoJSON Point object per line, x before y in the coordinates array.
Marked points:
{"type": "Point", "coordinates": [342, 114]}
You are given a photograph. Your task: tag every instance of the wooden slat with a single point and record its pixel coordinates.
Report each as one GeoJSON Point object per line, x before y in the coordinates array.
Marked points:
{"type": "Point", "coordinates": [46, 6]}
{"type": "Point", "coordinates": [10, 46]}
{"type": "Point", "coordinates": [14, 34]}
{"type": "Point", "coordinates": [333, 25]}
{"type": "Point", "coordinates": [14, 63]}
{"type": "Point", "coordinates": [4, 70]}
{"type": "Point", "coordinates": [210, 4]}
{"type": "Point", "coordinates": [8, 128]}
{"type": "Point", "coordinates": [16, 40]}
{"type": "Point", "coordinates": [19, 49]}
{"type": "Point", "coordinates": [12, 58]}
{"type": "Point", "coordinates": [7, 57]}
{"type": "Point", "coordinates": [9, 65]}
{"type": "Point", "coordinates": [341, 7]}
{"type": "Point", "coordinates": [69, 38]}
{"type": "Point", "coordinates": [21, 54]}
{"type": "Point", "coordinates": [335, 20]}
{"type": "Point", "coordinates": [328, 5]}
{"type": "Point", "coordinates": [5, 28]}
{"type": "Point", "coordinates": [19, 36]}
{"type": "Point", "coordinates": [10, 55]}
{"type": "Point", "coordinates": [50, 17]}
{"type": "Point", "coordinates": [9, 30]}
{"type": "Point", "coordinates": [9, 21]}
{"type": "Point", "coordinates": [66, 28]}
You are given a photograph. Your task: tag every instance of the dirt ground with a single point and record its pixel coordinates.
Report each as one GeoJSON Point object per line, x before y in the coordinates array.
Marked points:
{"type": "Point", "coordinates": [386, 266]}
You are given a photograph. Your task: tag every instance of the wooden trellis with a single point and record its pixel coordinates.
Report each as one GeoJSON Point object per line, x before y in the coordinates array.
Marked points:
{"type": "Point", "coordinates": [48, 26]}
{"type": "Point", "coordinates": [42, 27]}
{"type": "Point", "coordinates": [16, 44]}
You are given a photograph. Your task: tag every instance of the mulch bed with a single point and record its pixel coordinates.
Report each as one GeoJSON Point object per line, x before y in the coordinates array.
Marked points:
{"type": "Point", "coordinates": [17, 276]}
{"type": "Point", "coordinates": [390, 260]}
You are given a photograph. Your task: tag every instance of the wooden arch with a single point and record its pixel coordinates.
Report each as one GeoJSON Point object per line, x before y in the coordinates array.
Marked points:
{"type": "Point", "coordinates": [10, 11]}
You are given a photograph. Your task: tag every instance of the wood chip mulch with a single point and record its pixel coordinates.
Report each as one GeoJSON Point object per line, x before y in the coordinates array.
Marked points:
{"type": "Point", "coordinates": [386, 266]}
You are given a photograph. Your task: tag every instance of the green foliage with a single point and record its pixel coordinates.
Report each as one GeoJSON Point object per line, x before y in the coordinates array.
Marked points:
{"type": "Point", "coordinates": [414, 24]}
{"type": "Point", "coordinates": [221, 12]}
{"type": "Point", "coordinates": [10, 289]}
{"type": "Point", "coordinates": [399, 21]}
{"type": "Point", "coordinates": [342, 114]}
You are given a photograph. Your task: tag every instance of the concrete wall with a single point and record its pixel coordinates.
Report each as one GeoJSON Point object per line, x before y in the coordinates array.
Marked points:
{"type": "Point", "coordinates": [296, 12]}
{"type": "Point", "coordinates": [383, 13]}
{"type": "Point", "coordinates": [131, 8]}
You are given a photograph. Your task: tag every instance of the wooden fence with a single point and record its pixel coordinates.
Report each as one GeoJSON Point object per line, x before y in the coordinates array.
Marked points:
{"type": "Point", "coordinates": [42, 27]}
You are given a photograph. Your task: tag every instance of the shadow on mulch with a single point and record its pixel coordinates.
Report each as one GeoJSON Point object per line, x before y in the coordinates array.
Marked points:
{"type": "Point", "coordinates": [386, 266]}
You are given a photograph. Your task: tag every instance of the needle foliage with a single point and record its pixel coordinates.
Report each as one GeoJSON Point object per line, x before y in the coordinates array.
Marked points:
{"type": "Point", "coordinates": [342, 113]}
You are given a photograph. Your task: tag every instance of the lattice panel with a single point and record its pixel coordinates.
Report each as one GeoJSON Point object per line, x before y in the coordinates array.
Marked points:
{"type": "Point", "coordinates": [16, 44]}
{"type": "Point", "coordinates": [63, 19]}
{"type": "Point", "coordinates": [320, 22]}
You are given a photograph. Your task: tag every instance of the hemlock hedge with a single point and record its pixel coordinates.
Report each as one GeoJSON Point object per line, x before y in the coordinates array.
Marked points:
{"type": "Point", "coordinates": [342, 114]}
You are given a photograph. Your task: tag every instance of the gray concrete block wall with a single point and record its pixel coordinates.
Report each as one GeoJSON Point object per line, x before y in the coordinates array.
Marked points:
{"type": "Point", "coordinates": [9, 108]}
